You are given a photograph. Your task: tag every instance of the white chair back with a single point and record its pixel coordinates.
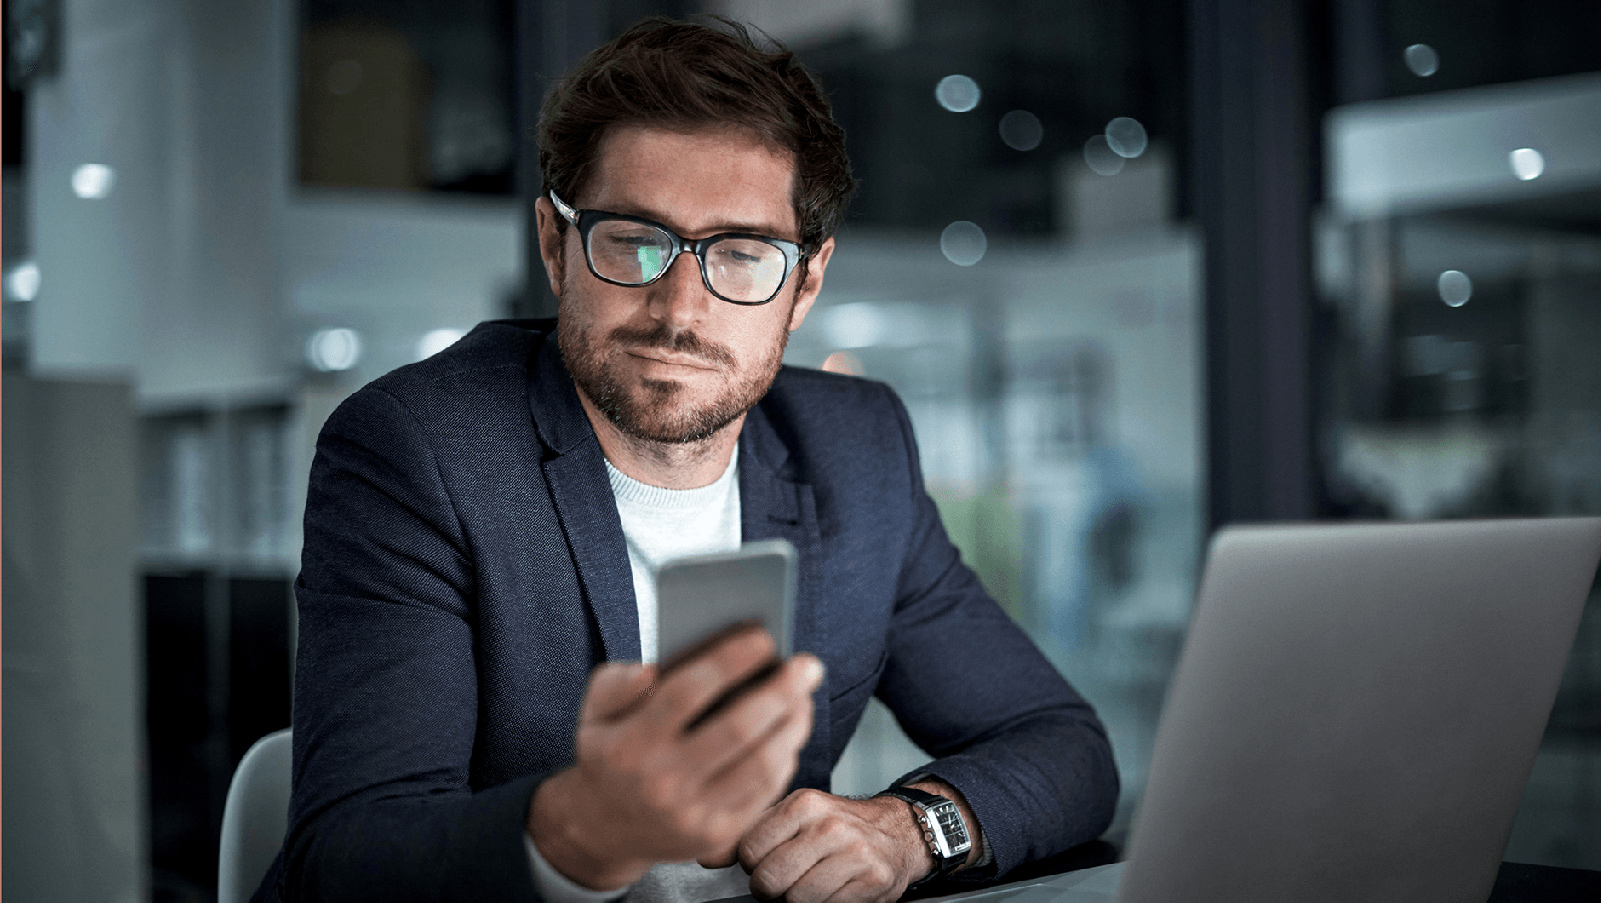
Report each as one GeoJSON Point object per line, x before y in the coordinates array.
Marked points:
{"type": "Point", "coordinates": [255, 817]}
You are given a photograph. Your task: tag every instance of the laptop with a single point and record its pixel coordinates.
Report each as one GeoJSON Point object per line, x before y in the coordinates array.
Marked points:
{"type": "Point", "coordinates": [1354, 716]}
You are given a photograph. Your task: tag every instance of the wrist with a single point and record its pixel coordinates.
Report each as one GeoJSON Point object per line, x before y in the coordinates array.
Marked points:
{"type": "Point", "coordinates": [900, 817]}
{"type": "Point", "coordinates": [559, 828]}
{"type": "Point", "coordinates": [974, 830]}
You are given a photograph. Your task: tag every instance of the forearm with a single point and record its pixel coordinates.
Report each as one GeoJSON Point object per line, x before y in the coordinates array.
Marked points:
{"type": "Point", "coordinates": [460, 847]}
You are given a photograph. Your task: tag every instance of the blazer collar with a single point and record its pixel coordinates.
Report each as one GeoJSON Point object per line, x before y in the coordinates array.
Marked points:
{"type": "Point", "coordinates": [552, 397]}
{"type": "Point", "coordinates": [767, 482]}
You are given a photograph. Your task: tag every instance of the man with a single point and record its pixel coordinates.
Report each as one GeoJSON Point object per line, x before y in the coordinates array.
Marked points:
{"type": "Point", "coordinates": [471, 720]}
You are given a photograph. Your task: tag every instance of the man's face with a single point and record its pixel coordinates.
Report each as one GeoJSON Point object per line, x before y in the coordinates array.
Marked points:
{"type": "Point", "coordinates": [670, 361]}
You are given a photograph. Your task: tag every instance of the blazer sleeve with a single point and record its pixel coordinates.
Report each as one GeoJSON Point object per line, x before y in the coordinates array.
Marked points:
{"type": "Point", "coordinates": [970, 688]}
{"type": "Point", "coordinates": [386, 696]}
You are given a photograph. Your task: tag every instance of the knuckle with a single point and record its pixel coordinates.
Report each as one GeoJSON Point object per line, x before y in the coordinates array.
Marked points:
{"type": "Point", "coordinates": [746, 850]}
{"type": "Point", "coordinates": [762, 644]}
{"type": "Point", "coordinates": [881, 874]}
{"type": "Point", "coordinates": [810, 801]}
{"type": "Point", "coordinates": [834, 829]}
{"type": "Point", "coordinates": [790, 806]}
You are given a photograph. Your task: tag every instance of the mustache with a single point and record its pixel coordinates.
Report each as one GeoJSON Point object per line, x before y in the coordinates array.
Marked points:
{"type": "Point", "coordinates": [678, 341]}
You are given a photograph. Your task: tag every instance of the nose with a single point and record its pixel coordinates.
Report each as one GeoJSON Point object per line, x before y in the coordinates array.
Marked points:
{"type": "Point", "coordinates": [680, 298]}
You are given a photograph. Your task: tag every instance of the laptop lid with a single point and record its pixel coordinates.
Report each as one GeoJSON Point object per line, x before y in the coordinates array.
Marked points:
{"type": "Point", "coordinates": [1357, 710]}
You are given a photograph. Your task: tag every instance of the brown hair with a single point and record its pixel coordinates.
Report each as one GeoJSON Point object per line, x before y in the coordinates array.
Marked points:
{"type": "Point", "coordinates": [685, 75]}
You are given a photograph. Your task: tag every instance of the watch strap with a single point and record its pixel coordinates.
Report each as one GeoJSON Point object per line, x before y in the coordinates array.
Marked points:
{"type": "Point", "coordinates": [914, 796]}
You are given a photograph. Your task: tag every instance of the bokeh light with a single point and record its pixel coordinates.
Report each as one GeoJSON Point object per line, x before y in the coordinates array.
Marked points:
{"type": "Point", "coordinates": [93, 180]}
{"type": "Point", "coordinates": [1422, 60]}
{"type": "Point", "coordinates": [1101, 158]}
{"type": "Point", "coordinates": [957, 93]}
{"type": "Point", "coordinates": [1126, 137]}
{"type": "Point", "coordinates": [22, 283]}
{"type": "Point", "coordinates": [1527, 163]}
{"type": "Point", "coordinates": [1021, 130]}
{"type": "Point", "coordinates": [1455, 287]}
{"type": "Point", "coordinates": [437, 340]}
{"type": "Point", "coordinates": [963, 243]}
{"type": "Point", "coordinates": [332, 350]}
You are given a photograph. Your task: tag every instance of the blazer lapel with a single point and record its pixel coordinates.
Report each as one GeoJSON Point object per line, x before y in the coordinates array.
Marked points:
{"type": "Point", "coordinates": [575, 472]}
{"type": "Point", "coordinates": [773, 505]}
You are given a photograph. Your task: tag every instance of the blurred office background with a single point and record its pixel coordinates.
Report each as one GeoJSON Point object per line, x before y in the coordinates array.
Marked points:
{"type": "Point", "coordinates": [1140, 268]}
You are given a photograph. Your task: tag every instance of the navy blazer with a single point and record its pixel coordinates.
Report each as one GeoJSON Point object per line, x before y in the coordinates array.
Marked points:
{"type": "Point", "coordinates": [464, 569]}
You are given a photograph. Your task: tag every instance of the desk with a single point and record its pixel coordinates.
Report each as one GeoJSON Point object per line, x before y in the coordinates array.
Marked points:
{"type": "Point", "coordinates": [1515, 883]}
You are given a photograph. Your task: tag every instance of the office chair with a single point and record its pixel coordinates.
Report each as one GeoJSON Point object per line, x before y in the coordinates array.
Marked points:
{"type": "Point", "coordinates": [254, 818]}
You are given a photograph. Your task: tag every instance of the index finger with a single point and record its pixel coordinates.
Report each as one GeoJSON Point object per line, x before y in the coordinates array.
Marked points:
{"type": "Point", "coordinates": [710, 642]}
{"type": "Point", "coordinates": [692, 685]}
{"type": "Point", "coordinates": [616, 687]}
{"type": "Point", "coordinates": [778, 825]}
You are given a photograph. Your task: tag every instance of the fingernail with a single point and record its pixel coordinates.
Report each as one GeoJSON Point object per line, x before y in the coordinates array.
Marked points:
{"type": "Point", "coordinates": [814, 673]}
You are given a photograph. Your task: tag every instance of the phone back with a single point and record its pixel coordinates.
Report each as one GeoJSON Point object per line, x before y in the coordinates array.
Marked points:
{"type": "Point", "coordinates": [700, 595]}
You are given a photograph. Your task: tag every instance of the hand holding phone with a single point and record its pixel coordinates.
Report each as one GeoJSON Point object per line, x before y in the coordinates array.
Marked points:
{"type": "Point", "coordinates": [648, 785]}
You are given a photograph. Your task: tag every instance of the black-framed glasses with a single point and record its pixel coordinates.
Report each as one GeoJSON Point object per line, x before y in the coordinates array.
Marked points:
{"type": "Point", "coordinates": [737, 267]}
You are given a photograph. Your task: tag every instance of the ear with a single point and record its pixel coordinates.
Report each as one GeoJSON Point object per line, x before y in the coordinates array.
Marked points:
{"type": "Point", "coordinates": [807, 294]}
{"type": "Point", "coordinates": [550, 244]}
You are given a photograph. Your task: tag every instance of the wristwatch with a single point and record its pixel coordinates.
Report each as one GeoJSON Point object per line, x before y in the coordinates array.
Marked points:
{"type": "Point", "coordinates": [943, 830]}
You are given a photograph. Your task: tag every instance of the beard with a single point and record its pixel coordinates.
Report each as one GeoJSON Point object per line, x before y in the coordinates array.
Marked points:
{"type": "Point", "coordinates": [658, 410]}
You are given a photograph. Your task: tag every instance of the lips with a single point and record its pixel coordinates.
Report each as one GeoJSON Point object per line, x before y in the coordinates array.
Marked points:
{"type": "Point", "coordinates": [667, 357]}
{"type": "Point", "coordinates": [678, 347]}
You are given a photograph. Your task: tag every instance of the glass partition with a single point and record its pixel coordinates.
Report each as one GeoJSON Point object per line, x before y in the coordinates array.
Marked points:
{"type": "Point", "coordinates": [1459, 267]}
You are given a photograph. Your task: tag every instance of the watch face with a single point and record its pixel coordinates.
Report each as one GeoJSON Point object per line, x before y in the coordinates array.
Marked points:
{"type": "Point", "coordinates": [952, 834]}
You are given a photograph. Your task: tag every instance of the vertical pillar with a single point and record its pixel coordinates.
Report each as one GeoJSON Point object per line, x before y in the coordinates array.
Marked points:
{"type": "Point", "coordinates": [1252, 185]}
{"type": "Point", "coordinates": [552, 36]}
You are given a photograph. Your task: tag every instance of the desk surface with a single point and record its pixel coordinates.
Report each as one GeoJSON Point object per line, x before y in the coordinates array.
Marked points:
{"type": "Point", "coordinates": [1516, 882]}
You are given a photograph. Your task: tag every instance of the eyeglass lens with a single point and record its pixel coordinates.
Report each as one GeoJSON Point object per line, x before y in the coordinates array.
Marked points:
{"type": "Point", "coordinates": [739, 269]}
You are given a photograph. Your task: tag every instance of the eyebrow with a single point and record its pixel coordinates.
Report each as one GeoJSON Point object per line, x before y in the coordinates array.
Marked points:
{"type": "Point", "coordinates": [768, 229]}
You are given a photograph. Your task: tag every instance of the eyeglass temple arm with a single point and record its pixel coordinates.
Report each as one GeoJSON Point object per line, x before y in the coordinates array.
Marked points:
{"type": "Point", "coordinates": [567, 212]}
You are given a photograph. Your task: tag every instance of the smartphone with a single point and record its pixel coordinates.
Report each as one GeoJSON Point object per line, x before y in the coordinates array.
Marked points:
{"type": "Point", "coordinates": [700, 597]}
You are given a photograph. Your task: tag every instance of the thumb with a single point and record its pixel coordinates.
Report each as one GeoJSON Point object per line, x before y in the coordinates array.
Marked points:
{"type": "Point", "coordinates": [616, 687]}
{"type": "Point", "coordinates": [719, 859]}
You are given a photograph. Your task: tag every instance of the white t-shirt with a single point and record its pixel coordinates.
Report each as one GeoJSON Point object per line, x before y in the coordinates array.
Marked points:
{"type": "Point", "coordinates": [663, 524]}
